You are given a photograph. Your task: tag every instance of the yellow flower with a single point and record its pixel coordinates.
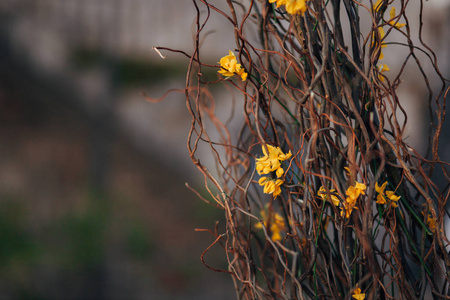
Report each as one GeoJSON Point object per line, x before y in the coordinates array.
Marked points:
{"type": "Point", "coordinates": [348, 208]}
{"type": "Point", "coordinates": [231, 67]}
{"type": "Point", "coordinates": [353, 192]}
{"type": "Point", "coordinates": [276, 224]}
{"type": "Point", "coordinates": [383, 44]}
{"type": "Point", "coordinates": [323, 194]}
{"type": "Point", "coordinates": [358, 295]}
{"type": "Point", "coordinates": [295, 6]}
{"type": "Point", "coordinates": [382, 195]}
{"type": "Point", "coordinates": [229, 64]}
{"type": "Point", "coordinates": [382, 68]}
{"type": "Point", "coordinates": [347, 171]}
{"type": "Point", "coordinates": [391, 195]}
{"type": "Point", "coordinates": [361, 187]}
{"type": "Point", "coordinates": [292, 6]}
{"type": "Point", "coordinates": [376, 8]}
{"type": "Point", "coordinates": [279, 172]}
{"type": "Point", "coordinates": [278, 2]}
{"type": "Point", "coordinates": [271, 186]}
{"type": "Point", "coordinates": [377, 5]}
{"type": "Point", "coordinates": [271, 161]}
{"type": "Point", "coordinates": [394, 23]}
{"type": "Point", "coordinates": [381, 199]}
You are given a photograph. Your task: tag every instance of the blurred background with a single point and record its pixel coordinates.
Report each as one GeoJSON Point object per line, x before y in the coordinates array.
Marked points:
{"type": "Point", "coordinates": [93, 203]}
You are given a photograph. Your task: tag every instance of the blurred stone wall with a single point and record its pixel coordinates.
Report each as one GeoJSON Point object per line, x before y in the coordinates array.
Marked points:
{"type": "Point", "coordinates": [122, 27]}
{"type": "Point", "coordinates": [93, 203]}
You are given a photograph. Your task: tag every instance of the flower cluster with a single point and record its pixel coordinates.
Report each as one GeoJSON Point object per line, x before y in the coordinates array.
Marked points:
{"type": "Point", "coordinates": [231, 67]}
{"type": "Point", "coordinates": [276, 222]}
{"type": "Point", "coordinates": [292, 6]}
{"type": "Point", "coordinates": [383, 196]}
{"type": "Point", "coordinates": [271, 162]}
{"type": "Point", "coordinates": [271, 186]}
{"type": "Point", "coordinates": [376, 7]}
{"type": "Point", "coordinates": [353, 193]}
{"type": "Point", "coordinates": [322, 193]}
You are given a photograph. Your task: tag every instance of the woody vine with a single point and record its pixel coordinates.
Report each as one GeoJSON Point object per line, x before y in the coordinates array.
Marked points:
{"type": "Point", "coordinates": [322, 195]}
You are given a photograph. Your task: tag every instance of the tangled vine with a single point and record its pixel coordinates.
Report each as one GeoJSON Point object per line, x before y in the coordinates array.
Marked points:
{"type": "Point", "coordinates": [323, 196]}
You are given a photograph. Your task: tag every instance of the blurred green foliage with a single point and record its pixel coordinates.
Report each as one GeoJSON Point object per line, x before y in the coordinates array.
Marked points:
{"type": "Point", "coordinates": [82, 238]}
{"type": "Point", "coordinates": [139, 243]}
{"type": "Point", "coordinates": [74, 245]}
{"type": "Point", "coordinates": [130, 71]}
{"type": "Point", "coordinates": [135, 71]}
{"type": "Point", "coordinates": [17, 245]}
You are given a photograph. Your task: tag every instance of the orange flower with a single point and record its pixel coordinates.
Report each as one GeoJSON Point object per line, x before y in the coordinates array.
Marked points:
{"type": "Point", "coordinates": [431, 222]}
